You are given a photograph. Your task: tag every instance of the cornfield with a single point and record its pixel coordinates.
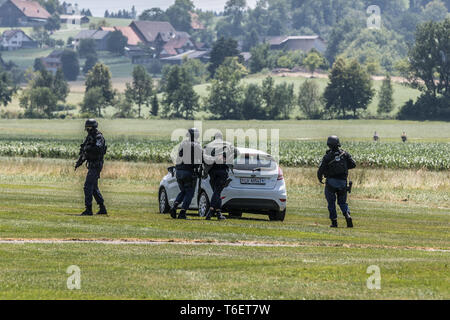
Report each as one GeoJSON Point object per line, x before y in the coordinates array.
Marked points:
{"type": "Point", "coordinates": [431, 156]}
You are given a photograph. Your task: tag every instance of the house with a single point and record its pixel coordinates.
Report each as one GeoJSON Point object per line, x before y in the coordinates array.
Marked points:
{"type": "Point", "coordinates": [179, 43]}
{"type": "Point", "coordinates": [25, 13]}
{"type": "Point", "coordinates": [292, 43]}
{"type": "Point", "coordinates": [73, 19]}
{"type": "Point", "coordinates": [16, 39]}
{"type": "Point", "coordinates": [149, 31]}
{"type": "Point", "coordinates": [100, 37]}
{"type": "Point", "coordinates": [188, 55]}
{"type": "Point", "coordinates": [53, 61]}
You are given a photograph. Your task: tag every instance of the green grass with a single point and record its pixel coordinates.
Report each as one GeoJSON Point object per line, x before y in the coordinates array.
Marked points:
{"type": "Point", "coordinates": [348, 130]}
{"type": "Point", "coordinates": [40, 199]}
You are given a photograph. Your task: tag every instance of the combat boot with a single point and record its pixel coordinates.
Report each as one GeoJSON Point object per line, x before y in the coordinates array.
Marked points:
{"type": "Point", "coordinates": [334, 224]}
{"type": "Point", "coordinates": [220, 216]}
{"type": "Point", "coordinates": [209, 214]}
{"type": "Point", "coordinates": [87, 212]}
{"type": "Point", "coordinates": [102, 210]}
{"type": "Point", "coordinates": [349, 220]}
{"type": "Point", "coordinates": [182, 215]}
{"type": "Point", "coordinates": [173, 211]}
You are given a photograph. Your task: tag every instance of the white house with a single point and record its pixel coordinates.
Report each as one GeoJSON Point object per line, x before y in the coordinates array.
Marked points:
{"type": "Point", "coordinates": [16, 39]}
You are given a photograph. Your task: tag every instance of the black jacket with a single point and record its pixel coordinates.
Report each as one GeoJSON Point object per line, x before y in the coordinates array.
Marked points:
{"type": "Point", "coordinates": [94, 147]}
{"type": "Point", "coordinates": [333, 159]}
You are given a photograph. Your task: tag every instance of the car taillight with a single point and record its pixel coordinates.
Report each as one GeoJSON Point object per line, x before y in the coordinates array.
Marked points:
{"type": "Point", "coordinates": [280, 174]}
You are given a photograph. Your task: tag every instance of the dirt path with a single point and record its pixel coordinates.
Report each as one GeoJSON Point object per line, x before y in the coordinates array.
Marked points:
{"type": "Point", "coordinates": [213, 242]}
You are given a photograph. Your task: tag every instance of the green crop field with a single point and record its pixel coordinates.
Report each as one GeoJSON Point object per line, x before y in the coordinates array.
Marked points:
{"type": "Point", "coordinates": [400, 205]}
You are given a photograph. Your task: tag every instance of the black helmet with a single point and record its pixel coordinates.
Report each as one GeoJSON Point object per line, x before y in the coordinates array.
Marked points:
{"type": "Point", "coordinates": [91, 123]}
{"type": "Point", "coordinates": [333, 142]}
{"type": "Point", "coordinates": [193, 133]}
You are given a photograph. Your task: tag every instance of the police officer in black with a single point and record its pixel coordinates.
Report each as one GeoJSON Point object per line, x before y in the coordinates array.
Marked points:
{"type": "Point", "coordinates": [92, 151]}
{"type": "Point", "coordinates": [218, 157]}
{"type": "Point", "coordinates": [334, 166]}
{"type": "Point", "coordinates": [188, 164]}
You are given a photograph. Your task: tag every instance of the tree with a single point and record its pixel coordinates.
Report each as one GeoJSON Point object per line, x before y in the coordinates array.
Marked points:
{"type": "Point", "coordinates": [222, 49]}
{"type": "Point", "coordinates": [153, 14]}
{"type": "Point", "coordinates": [38, 65]}
{"type": "Point", "coordinates": [7, 89]}
{"type": "Point", "coordinates": [234, 11]}
{"type": "Point", "coordinates": [313, 61]}
{"type": "Point", "coordinates": [70, 65]}
{"type": "Point", "coordinates": [268, 94]}
{"type": "Point", "coordinates": [91, 61]}
{"type": "Point", "coordinates": [310, 100]}
{"type": "Point", "coordinates": [93, 101]}
{"type": "Point", "coordinates": [349, 88]}
{"type": "Point", "coordinates": [179, 15]}
{"type": "Point", "coordinates": [259, 59]}
{"type": "Point", "coordinates": [386, 99]}
{"type": "Point", "coordinates": [429, 59]}
{"type": "Point", "coordinates": [116, 42]}
{"type": "Point", "coordinates": [87, 47]}
{"type": "Point", "coordinates": [60, 86]}
{"type": "Point", "coordinates": [225, 93]}
{"type": "Point", "coordinates": [140, 90]}
{"type": "Point", "coordinates": [100, 77]}
{"type": "Point", "coordinates": [124, 108]}
{"type": "Point", "coordinates": [155, 106]}
{"type": "Point", "coordinates": [53, 23]}
{"type": "Point", "coordinates": [252, 106]}
{"type": "Point", "coordinates": [179, 98]}
{"type": "Point", "coordinates": [42, 94]}
{"type": "Point", "coordinates": [283, 101]}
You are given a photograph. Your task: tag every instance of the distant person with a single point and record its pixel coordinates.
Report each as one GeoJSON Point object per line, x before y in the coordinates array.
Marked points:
{"type": "Point", "coordinates": [92, 151]}
{"type": "Point", "coordinates": [404, 137]}
{"type": "Point", "coordinates": [376, 137]}
{"type": "Point", "coordinates": [188, 163]}
{"type": "Point", "coordinates": [219, 155]}
{"type": "Point", "coordinates": [334, 166]}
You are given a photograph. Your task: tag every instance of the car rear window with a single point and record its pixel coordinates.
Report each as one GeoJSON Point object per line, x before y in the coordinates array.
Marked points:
{"type": "Point", "coordinates": [252, 162]}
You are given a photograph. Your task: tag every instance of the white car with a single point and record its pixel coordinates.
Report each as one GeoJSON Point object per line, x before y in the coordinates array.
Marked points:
{"type": "Point", "coordinates": [257, 187]}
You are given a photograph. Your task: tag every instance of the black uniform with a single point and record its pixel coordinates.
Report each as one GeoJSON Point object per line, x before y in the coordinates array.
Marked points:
{"type": "Point", "coordinates": [334, 166]}
{"type": "Point", "coordinates": [92, 151]}
{"type": "Point", "coordinates": [219, 155]}
{"type": "Point", "coordinates": [189, 160]}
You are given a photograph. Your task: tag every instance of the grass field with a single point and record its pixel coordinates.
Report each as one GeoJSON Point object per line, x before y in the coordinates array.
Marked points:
{"type": "Point", "coordinates": [401, 217]}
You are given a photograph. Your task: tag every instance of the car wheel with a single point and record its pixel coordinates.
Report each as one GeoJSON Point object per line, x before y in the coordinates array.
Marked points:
{"type": "Point", "coordinates": [277, 216]}
{"type": "Point", "coordinates": [163, 202]}
{"type": "Point", "coordinates": [236, 214]}
{"type": "Point", "coordinates": [203, 204]}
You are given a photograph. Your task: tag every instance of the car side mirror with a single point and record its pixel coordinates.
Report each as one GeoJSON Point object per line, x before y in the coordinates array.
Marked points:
{"type": "Point", "coordinates": [171, 171]}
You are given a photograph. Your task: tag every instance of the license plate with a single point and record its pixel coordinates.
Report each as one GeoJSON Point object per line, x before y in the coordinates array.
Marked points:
{"type": "Point", "coordinates": [257, 181]}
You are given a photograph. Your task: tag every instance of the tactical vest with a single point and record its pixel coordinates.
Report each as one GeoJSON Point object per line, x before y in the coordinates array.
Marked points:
{"type": "Point", "coordinates": [337, 166]}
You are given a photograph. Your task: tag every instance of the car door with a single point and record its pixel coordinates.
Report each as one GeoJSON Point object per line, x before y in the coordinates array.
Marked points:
{"type": "Point", "coordinates": [172, 187]}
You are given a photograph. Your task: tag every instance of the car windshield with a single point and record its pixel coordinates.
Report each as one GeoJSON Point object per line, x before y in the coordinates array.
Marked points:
{"type": "Point", "coordinates": [254, 162]}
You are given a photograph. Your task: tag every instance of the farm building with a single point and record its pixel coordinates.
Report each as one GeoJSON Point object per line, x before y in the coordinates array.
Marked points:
{"type": "Point", "coordinates": [292, 43]}
{"type": "Point", "coordinates": [100, 37]}
{"type": "Point", "coordinates": [16, 39]}
{"type": "Point", "coordinates": [74, 19]}
{"type": "Point", "coordinates": [25, 13]}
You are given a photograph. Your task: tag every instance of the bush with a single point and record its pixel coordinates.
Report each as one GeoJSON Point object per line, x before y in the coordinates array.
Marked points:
{"type": "Point", "coordinates": [427, 107]}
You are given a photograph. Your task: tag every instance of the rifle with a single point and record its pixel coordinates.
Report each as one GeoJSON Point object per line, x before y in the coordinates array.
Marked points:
{"type": "Point", "coordinates": [80, 161]}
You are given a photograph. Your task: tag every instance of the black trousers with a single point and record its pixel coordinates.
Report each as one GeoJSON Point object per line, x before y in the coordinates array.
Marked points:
{"type": "Point", "coordinates": [217, 179]}
{"type": "Point", "coordinates": [91, 185]}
